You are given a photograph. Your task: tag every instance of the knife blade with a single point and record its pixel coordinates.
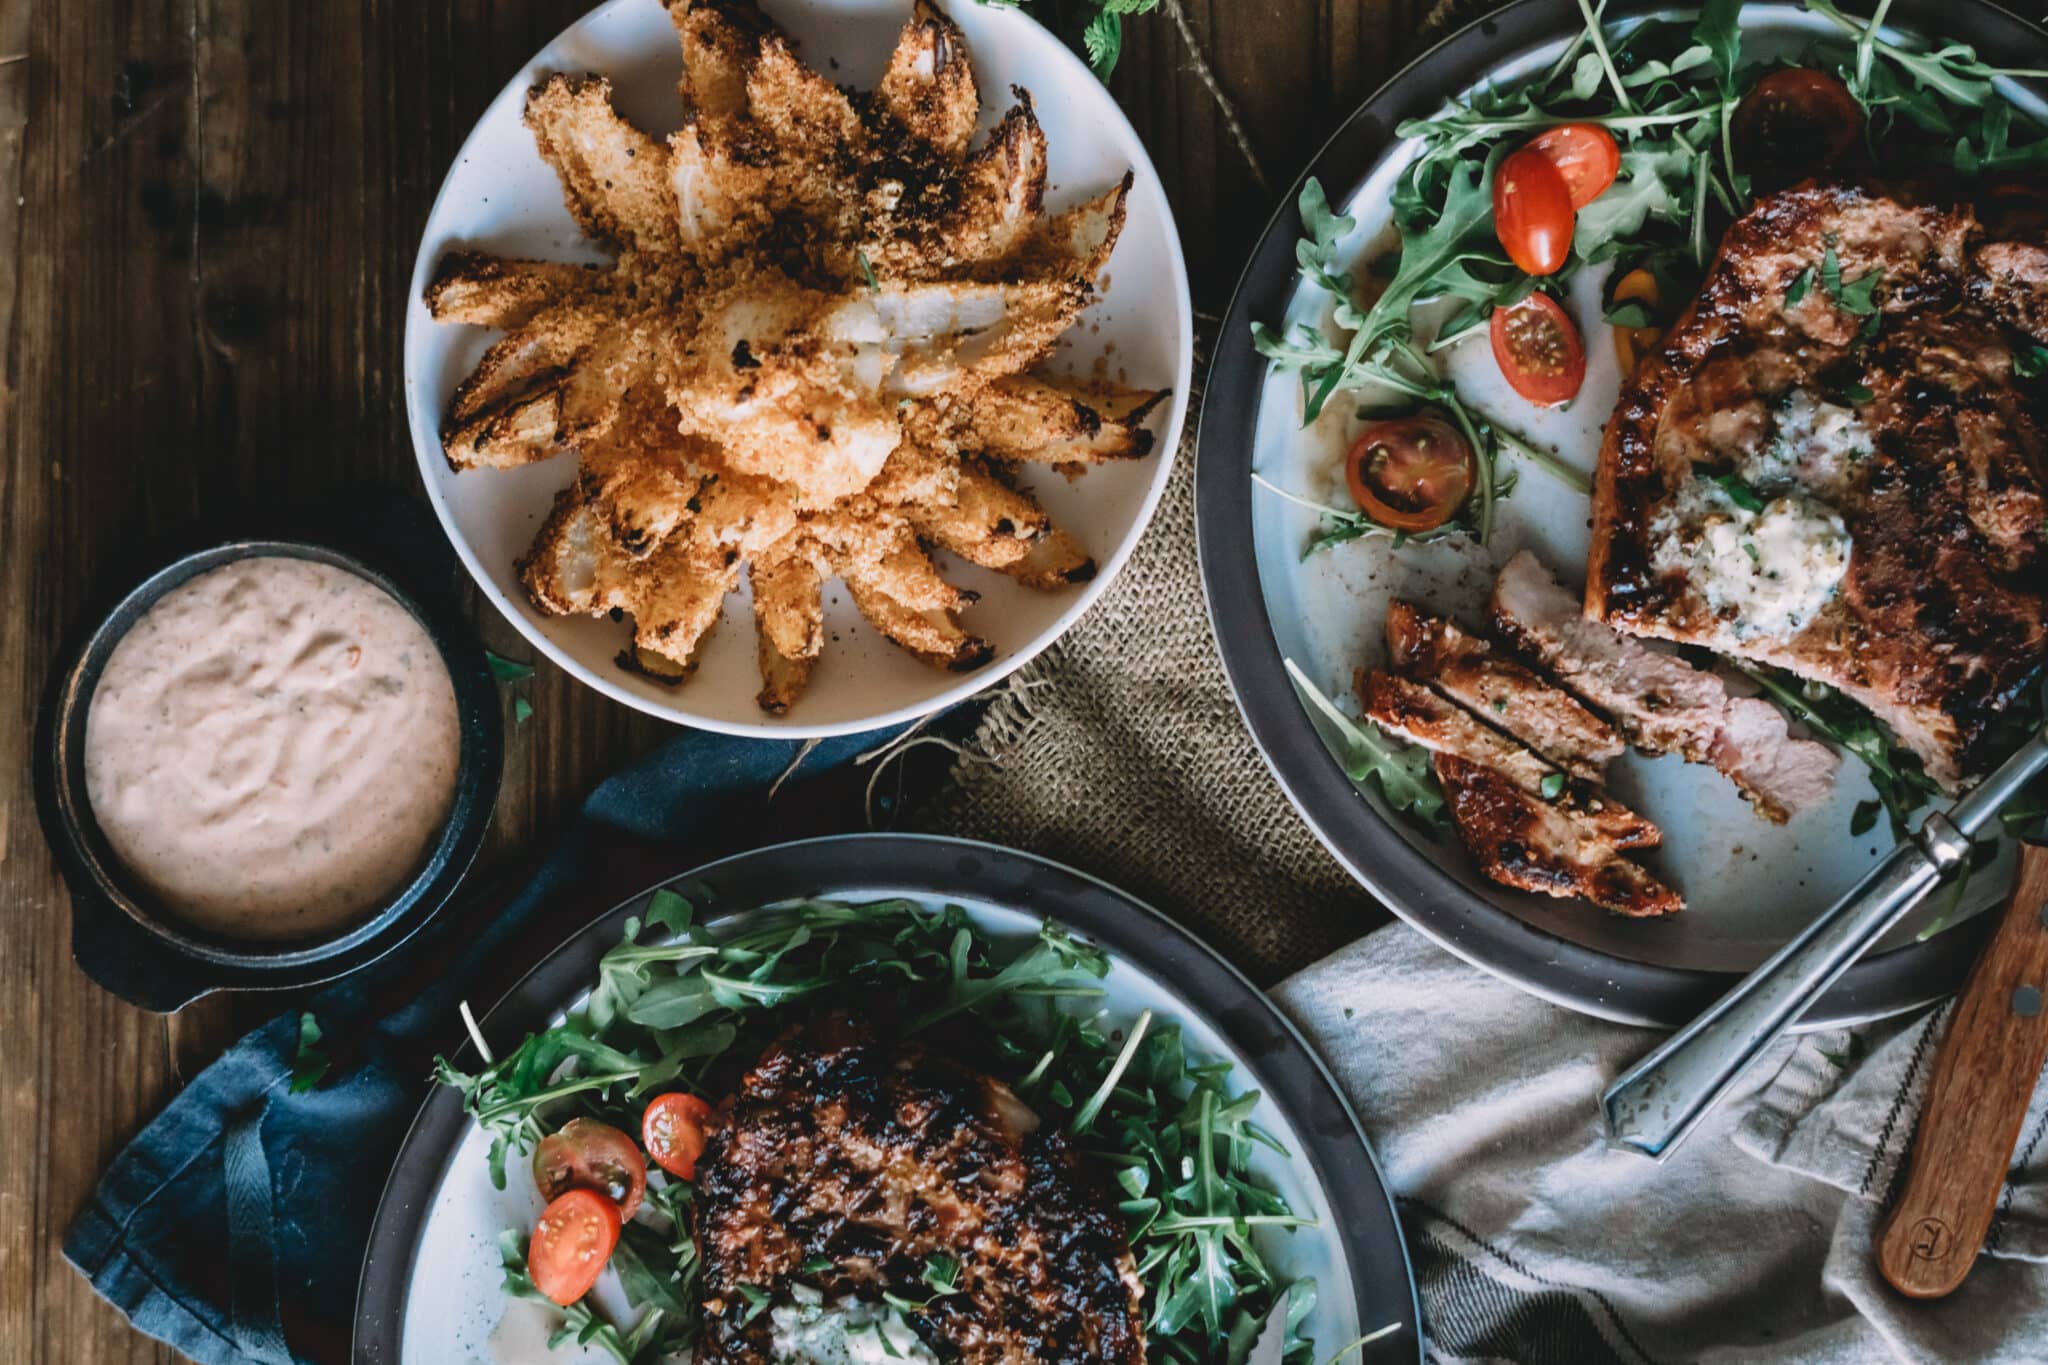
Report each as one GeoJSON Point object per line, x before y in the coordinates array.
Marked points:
{"type": "Point", "coordinates": [1652, 1108]}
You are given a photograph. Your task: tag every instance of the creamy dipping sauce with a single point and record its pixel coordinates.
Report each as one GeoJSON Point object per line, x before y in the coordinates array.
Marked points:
{"type": "Point", "coordinates": [272, 748]}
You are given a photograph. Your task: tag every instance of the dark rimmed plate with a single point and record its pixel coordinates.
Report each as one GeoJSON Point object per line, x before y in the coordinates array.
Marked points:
{"type": "Point", "coordinates": [1563, 953]}
{"type": "Point", "coordinates": [437, 1179]}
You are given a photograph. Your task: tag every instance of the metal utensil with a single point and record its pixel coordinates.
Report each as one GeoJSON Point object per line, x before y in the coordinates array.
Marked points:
{"type": "Point", "coordinates": [1984, 1077]}
{"type": "Point", "coordinates": [1652, 1108]}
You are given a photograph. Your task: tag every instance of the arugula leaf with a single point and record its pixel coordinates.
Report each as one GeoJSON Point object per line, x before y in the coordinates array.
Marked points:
{"type": "Point", "coordinates": [1799, 289]}
{"type": "Point", "coordinates": [1630, 313]}
{"type": "Point", "coordinates": [1864, 818]}
{"type": "Point", "coordinates": [1401, 774]}
{"type": "Point", "coordinates": [309, 1063]}
{"type": "Point", "coordinates": [1719, 31]}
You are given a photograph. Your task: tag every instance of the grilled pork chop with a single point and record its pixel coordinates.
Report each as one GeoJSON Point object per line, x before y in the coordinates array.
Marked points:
{"type": "Point", "coordinates": [1831, 466]}
{"type": "Point", "coordinates": [1523, 841]}
{"type": "Point", "coordinates": [1418, 715]}
{"type": "Point", "coordinates": [877, 1156]}
{"type": "Point", "coordinates": [1466, 669]}
{"type": "Point", "coordinates": [1662, 703]}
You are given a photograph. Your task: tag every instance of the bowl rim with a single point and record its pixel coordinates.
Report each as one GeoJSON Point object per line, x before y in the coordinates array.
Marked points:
{"type": "Point", "coordinates": [424, 426]}
{"type": "Point", "coordinates": [1401, 876]}
{"type": "Point", "coordinates": [115, 917]}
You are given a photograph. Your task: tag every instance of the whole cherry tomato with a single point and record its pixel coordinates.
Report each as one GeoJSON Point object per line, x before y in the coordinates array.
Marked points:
{"type": "Point", "coordinates": [1532, 212]}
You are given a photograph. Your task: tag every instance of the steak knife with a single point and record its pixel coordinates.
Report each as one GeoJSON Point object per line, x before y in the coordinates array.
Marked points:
{"type": "Point", "coordinates": [1652, 1108]}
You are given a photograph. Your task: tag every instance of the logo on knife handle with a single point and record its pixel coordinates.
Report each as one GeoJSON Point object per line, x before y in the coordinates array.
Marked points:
{"type": "Point", "coordinates": [1932, 1239]}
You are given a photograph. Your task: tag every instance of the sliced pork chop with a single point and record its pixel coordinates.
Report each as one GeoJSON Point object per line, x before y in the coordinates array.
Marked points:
{"type": "Point", "coordinates": [847, 1162]}
{"type": "Point", "coordinates": [1833, 466]}
{"type": "Point", "coordinates": [1523, 841]}
{"type": "Point", "coordinates": [1469, 671]}
{"type": "Point", "coordinates": [1661, 703]}
{"type": "Point", "coordinates": [1418, 715]}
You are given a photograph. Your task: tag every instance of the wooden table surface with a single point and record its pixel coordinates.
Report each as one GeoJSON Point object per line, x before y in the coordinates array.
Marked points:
{"type": "Point", "coordinates": [209, 210]}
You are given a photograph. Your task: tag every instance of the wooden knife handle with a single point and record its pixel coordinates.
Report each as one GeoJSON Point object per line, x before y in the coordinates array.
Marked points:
{"type": "Point", "coordinates": [1984, 1077]}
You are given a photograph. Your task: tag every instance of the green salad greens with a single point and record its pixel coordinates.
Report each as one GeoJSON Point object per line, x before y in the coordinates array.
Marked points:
{"type": "Point", "coordinates": [678, 1006]}
{"type": "Point", "coordinates": [1669, 93]}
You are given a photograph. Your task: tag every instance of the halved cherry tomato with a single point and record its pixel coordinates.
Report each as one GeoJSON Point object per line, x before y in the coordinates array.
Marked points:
{"type": "Point", "coordinates": [1630, 343]}
{"type": "Point", "coordinates": [1411, 473]}
{"type": "Point", "coordinates": [673, 1129]}
{"type": "Point", "coordinates": [588, 1155]}
{"type": "Point", "coordinates": [1795, 118]}
{"type": "Point", "coordinates": [1585, 154]}
{"type": "Point", "coordinates": [1539, 350]}
{"type": "Point", "coordinates": [571, 1243]}
{"type": "Point", "coordinates": [1532, 212]}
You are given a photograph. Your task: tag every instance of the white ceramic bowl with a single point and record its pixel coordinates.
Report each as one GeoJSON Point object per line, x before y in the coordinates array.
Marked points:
{"type": "Point", "coordinates": [501, 197]}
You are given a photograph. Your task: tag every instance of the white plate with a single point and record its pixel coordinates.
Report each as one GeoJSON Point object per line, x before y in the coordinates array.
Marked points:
{"type": "Point", "coordinates": [501, 197]}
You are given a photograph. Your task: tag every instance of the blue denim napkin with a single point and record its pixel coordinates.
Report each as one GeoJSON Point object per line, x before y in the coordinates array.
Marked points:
{"type": "Point", "coordinates": [233, 1226]}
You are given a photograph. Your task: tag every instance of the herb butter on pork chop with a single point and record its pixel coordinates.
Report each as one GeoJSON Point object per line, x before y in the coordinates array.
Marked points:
{"type": "Point", "coordinates": [847, 1164]}
{"type": "Point", "coordinates": [1833, 465]}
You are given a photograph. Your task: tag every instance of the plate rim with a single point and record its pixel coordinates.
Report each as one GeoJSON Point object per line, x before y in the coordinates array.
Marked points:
{"type": "Point", "coordinates": [423, 429]}
{"type": "Point", "coordinates": [1295, 1076]}
{"type": "Point", "coordinates": [1400, 876]}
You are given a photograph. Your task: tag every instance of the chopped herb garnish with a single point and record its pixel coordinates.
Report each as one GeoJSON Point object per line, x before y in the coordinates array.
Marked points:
{"type": "Point", "coordinates": [1740, 492]}
{"type": "Point", "coordinates": [1864, 818]}
{"type": "Point", "coordinates": [1552, 786]}
{"type": "Point", "coordinates": [2030, 362]}
{"type": "Point", "coordinates": [867, 272]}
{"type": "Point", "coordinates": [522, 710]}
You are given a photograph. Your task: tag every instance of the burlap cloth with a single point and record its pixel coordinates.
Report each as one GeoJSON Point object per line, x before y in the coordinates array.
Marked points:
{"type": "Point", "coordinates": [1121, 752]}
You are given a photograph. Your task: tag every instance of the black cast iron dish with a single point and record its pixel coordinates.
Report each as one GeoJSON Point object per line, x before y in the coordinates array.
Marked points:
{"type": "Point", "coordinates": [125, 941]}
{"type": "Point", "coordinates": [1609, 985]}
{"type": "Point", "coordinates": [1273, 1057]}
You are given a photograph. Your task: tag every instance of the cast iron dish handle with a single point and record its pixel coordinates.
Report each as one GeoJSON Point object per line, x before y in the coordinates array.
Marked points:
{"type": "Point", "coordinates": [1652, 1108]}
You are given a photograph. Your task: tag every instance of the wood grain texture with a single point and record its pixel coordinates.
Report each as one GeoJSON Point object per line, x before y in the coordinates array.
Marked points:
{"type": "Point", "coordinates": [1984, 1077]}
{"type": "Point", "coordinates": [208, 210]}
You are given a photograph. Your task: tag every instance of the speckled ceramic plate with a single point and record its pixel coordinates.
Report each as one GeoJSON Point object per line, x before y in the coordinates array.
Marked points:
{"type": "Point", "coordinates": [1749, 885]}
{"type": "Point", "coordinates": [429, 1291]}
{"type": "Point", "coordinates": [499, 196]}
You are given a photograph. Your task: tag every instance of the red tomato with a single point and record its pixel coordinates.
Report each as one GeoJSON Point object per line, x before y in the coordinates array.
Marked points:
{"type": "Point", "coordinates": [1586, 155]}
{"type": "Point", "coordinates": [571, 1243]}
{"type": "Point", "coordinates": [1539, 350]}
{"type": "Point", "coordinates": [673, 1129]}
{"type": "Point", "coordinates": [1796, 118]}
{"type": "Point", "coordinates": [1532, 212]}
{"type": "Point", "coordinates": [588, 1155]}
{"type": "Point", "coordinates": [1411, 473]}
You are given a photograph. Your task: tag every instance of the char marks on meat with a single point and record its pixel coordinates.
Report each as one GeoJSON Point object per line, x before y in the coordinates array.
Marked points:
{"type": "Point", "coordinates": [1523, 841]}
{"type": "Point", "coordinates": [1662, 703]}
{"type": "Point", "coordinates": [876, 1156]}
{"type": "Point", "coordinates": [1421, 717]}
{"type": "Point", "coordinates": [1469, 671]}
{"type": "Point", "coordinates": [1850, 361]}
